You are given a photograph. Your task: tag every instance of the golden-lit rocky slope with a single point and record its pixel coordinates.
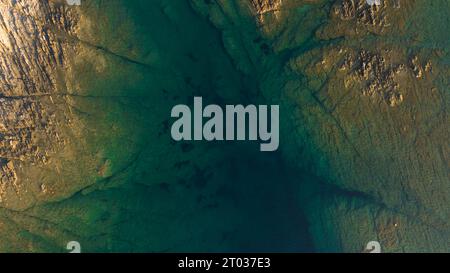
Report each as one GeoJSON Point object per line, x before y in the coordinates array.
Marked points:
{"type": "Point", "coordinates": [36, 119]}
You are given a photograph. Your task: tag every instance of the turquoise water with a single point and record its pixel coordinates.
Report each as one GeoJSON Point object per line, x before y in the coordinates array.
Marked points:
{"type": "Point", "coordinates": [163, 196]}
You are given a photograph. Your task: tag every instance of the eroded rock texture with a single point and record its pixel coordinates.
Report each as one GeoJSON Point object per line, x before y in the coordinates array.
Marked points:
{"type": "Point", "coordinates": [33, 117]}
{"type": "Point", "coordinates": [45, 122]}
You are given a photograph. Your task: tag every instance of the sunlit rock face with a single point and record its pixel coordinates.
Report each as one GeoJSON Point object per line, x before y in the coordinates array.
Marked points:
{"type": "Point", "coordinates": [49, 150]}
{"type": "Point", "coordinates": [35, 118]}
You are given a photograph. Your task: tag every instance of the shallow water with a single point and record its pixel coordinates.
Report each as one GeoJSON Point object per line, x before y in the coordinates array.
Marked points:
{"type": "Point", "coordinates": [169, 196]}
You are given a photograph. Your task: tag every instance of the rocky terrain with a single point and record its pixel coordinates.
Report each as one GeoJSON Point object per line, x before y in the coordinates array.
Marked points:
{"type": "Point", "coordinates": [371, 97]}
{"type": "Point", "coordinates": [364, 93]}
{"type": "Point", "coordinates": [34, 117]}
